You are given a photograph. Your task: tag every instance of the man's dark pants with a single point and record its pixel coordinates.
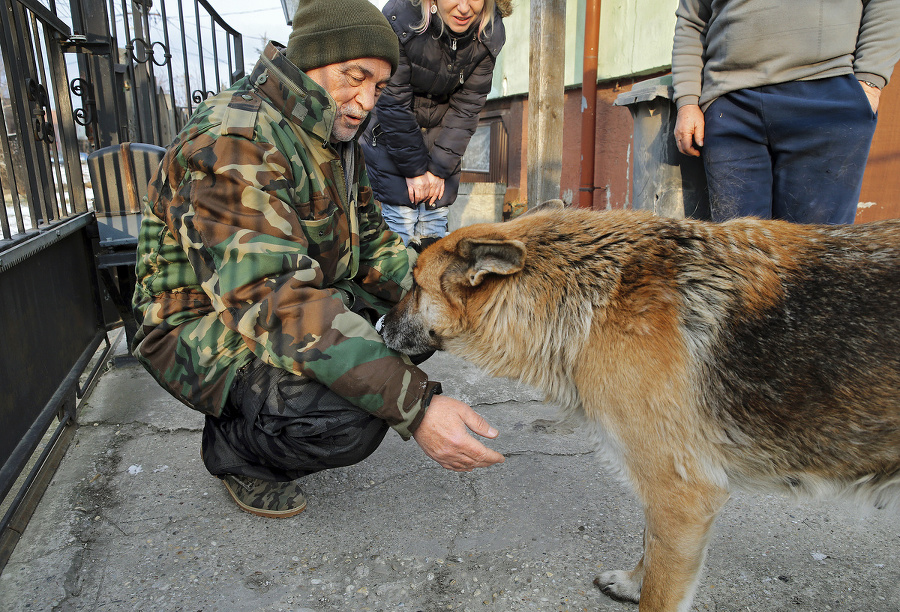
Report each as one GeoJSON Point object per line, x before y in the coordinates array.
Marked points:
{"type": "Point", "coordinates": [795, 151]}
{"type": "Point", "coordinates": [280, 427]}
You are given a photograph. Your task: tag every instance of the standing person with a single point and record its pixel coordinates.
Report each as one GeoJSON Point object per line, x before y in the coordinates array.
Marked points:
{"type": "Point", "coordinates": [781, 99]}
{"type": "Point", "coordinates": [263, 261]}
{"type": "Point", "coordinates": [428, 112]}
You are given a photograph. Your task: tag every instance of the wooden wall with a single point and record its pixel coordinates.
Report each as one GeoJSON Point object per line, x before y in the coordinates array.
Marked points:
{"type": "Point", "coordinates": [613, 174]}
{"type": "Point", "coordinates": [880, 196]}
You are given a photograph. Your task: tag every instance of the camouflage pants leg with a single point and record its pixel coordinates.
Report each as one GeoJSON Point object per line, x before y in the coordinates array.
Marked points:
{"type": "Point", "coordinates": [280, 426]}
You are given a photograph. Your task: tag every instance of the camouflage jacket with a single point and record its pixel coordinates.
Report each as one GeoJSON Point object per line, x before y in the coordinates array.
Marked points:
{"type": "Point", "coordinates": [251, 246]}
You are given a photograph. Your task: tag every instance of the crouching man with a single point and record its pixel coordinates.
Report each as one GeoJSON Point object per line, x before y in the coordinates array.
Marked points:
{"type": "Point", "coordinates": [263, 261]}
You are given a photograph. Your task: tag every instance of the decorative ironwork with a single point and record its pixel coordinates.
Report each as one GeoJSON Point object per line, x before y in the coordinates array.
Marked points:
{"type": "Point", "coordinates": [167, 57]}
{"type": "Point", "coordinates": [147, 51]}
{"type": "Point", "coordinates": [199, 95]}
{"type": "Point", "coordinates": [37, 93]}
{"type": "Point", "coordinates": [148, 55]}
{"type": "Point", "coordinates": [87, 114]}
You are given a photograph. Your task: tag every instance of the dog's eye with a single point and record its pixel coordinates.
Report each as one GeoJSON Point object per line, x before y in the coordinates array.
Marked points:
{"type": "Point", "coordinates": [431, 333]}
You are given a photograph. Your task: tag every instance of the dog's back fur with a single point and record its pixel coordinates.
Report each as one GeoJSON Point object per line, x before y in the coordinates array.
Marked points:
{"type": "Point", "coordinates": [758, 354]}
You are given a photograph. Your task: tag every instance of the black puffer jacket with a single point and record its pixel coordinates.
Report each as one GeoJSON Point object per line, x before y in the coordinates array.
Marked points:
{"type": "Point", "coordinates": [429, 111]}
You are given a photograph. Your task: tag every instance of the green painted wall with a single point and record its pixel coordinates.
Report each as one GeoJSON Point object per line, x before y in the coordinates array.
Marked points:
{"type": "Point", "coordinates": [635, 38]}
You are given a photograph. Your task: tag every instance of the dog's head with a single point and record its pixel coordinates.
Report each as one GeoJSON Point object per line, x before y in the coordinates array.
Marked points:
{"type": "Point", "coordinates": [455, 281]}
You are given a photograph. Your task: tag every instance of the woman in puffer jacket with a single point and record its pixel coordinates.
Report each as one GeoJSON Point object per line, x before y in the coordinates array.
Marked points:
{"type": "Point", "coordinates": [424, 118]}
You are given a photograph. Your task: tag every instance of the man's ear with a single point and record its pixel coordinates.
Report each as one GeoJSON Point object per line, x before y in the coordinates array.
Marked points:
{"type": "Point", "coordinates": [491, 256]}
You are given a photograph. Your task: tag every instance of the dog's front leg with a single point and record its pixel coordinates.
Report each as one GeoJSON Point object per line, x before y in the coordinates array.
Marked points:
{"type": "Point", "coordinates": [679, 524]}
{"type": "Point", "coordinates": [622, 585]}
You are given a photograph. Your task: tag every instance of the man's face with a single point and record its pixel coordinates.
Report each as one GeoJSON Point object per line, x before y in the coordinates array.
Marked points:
{"type": "Point", "coordinates": [355, 86]}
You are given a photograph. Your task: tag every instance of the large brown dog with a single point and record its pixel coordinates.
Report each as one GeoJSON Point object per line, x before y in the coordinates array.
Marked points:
{"type": "Point", "coordinates": [757, 354]}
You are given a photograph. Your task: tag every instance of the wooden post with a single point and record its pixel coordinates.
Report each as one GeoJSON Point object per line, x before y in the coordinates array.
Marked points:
{"type": "Point", "coordinates": [545, 99]}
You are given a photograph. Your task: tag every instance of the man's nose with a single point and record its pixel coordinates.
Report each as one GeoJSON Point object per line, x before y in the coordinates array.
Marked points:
{"type": "Point", "coordinates": [367, 97]}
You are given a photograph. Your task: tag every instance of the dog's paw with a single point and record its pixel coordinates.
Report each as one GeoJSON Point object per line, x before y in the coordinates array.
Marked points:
{"type": "Point", "coordinates": [619, 585]}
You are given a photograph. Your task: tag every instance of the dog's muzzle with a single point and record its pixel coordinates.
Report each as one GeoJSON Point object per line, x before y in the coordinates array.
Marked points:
{"type": "Point", "coordinates": [401, 335]}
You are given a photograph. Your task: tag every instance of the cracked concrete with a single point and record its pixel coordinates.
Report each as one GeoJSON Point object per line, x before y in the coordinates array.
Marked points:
{"type": "Point", "coordinates": [132, 521]}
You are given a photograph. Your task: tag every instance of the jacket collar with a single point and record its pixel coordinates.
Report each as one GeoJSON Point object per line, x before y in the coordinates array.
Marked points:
{"type": "Point", "coordinates": [302, 100]}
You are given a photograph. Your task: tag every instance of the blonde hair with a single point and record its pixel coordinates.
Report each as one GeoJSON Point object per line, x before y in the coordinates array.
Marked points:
{"type": "Point", "coordinates": [487, 15]}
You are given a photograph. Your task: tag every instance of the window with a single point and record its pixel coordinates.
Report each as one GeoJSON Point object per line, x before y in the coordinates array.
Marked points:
{"type": "Point", "coordinates": [485, 159]}
{"type": "Point", "coordinates": [478, 156]}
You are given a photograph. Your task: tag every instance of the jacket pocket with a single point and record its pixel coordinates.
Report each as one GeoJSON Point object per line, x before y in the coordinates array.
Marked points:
{"type": "Point", "coordinates": [864, 99]}
{"type": "Point", "coordinates": [364, 200]}
{"type": "Point", "coordinates": [318, 207]}
{"type": "Point", "coordinates": [321, 232]}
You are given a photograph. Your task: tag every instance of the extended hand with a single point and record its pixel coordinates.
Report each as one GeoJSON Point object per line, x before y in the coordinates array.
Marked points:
{"type": "Point", "coordinates": [689, 129]}
{"type": "Point", "coordinates": [443, 436]}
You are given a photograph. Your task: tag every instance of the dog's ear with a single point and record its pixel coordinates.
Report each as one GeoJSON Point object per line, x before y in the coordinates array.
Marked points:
{"type": "Point", "coordinates": [491, 256]}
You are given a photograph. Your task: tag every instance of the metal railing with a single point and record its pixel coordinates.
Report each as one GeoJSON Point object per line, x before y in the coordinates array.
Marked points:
{"type": "Point", "coordinates": [91, 74]}
{"type": "Point", "coordinates": [75, 78]}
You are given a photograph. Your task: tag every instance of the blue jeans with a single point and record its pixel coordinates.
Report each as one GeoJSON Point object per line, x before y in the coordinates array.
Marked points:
{"type": "Point", "coordinates": [418, 221]}
{"type": "Point", "coordinates": [795, 151]}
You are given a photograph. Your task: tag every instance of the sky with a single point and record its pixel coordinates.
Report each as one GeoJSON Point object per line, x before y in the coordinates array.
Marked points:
{"type": "Point", "coordinates": [263, 22]}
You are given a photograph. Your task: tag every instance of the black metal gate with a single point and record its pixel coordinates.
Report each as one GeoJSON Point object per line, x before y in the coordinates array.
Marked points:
{"type": "Point", "coordinates": [75, 78]}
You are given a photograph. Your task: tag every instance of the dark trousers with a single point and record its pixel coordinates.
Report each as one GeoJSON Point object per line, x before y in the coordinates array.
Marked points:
{"type": "Point", "coordinates": [280, 427]}
{"type": "Point", "coordinates": [795, 151]}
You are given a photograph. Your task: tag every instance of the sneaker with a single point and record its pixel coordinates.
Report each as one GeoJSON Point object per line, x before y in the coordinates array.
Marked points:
{"type": "Point", "coordinates": [265, 497]}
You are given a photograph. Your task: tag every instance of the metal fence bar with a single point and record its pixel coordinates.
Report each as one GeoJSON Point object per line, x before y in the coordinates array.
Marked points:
{"type": "Point", "coordinates": [72, 81]}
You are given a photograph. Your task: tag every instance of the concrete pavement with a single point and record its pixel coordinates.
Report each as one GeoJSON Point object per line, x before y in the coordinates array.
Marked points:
{"type": "Point", "coordinates": [132, 521]}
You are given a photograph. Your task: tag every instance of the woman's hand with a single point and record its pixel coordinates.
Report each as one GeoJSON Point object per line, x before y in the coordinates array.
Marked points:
{"type": "Point", "coordinates": [425, 188]}
{"type": "Point", "coordinates": [437, 187]}
{"type": "Point", "coordinates": [418, 187]}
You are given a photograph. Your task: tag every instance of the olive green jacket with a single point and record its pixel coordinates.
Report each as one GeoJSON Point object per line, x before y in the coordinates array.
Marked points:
{"type": "Point", "coordinates": [255, 243]}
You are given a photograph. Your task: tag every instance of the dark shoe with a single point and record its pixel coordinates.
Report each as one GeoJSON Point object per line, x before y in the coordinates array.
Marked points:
{"type": "Point", "coordinates": [265, 497]}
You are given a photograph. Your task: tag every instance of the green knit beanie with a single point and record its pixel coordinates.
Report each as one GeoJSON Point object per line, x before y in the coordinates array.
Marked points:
{"type": "Point", "coordinates": [334, 31]}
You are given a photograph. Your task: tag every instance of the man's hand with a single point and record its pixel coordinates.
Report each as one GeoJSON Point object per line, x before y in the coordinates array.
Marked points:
{"type": "Point", "coordinates": [689, 127]}
{"type": "Point", "coordinates": [873, 94]}
{"type": "Point", "coordinates": [442, 435]}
